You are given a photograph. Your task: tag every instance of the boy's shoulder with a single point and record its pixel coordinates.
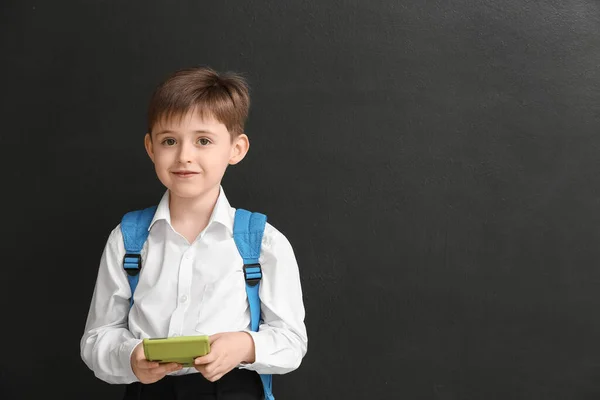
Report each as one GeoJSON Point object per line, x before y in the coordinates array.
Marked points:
{"type": "Point", "coordinates": [275, 240]}
{"type": "Point", "coordinates": [272, 236]}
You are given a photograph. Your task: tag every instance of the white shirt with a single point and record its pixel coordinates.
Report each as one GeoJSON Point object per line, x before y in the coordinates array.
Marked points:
{"type": "Point", "coordinates": [196, 289]}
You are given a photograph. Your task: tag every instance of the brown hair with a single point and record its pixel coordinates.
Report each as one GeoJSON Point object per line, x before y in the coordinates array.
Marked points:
{"type": "Point", "coordinates": [224, 96]}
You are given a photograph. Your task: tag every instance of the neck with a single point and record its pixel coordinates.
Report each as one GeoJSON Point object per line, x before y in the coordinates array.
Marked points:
{"type": "Point", "coordinates": [193, 210]}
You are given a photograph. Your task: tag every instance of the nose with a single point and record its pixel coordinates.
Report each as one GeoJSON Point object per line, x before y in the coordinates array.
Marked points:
{"type": "Point", "coordinates": [185, 153]}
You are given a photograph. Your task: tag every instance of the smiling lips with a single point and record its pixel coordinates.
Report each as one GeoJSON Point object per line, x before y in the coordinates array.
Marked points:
{"type": "Point", "coordinates": [185, 174]}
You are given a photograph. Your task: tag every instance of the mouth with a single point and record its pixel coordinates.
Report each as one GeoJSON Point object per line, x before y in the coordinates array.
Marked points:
{"type": "Point", "coordinates": [184, 174]}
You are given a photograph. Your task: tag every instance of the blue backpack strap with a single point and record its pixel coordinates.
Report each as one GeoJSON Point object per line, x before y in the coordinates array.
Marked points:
{"type": "Point", "coordinates": [134, 226]}
{"type": "Point", "coordinates": [248, 230]}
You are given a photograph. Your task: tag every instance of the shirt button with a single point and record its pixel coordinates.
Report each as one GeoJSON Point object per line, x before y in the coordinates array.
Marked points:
{"type": "Point", "coordinates": [187, 257]}
{"type": "Point", "coordinates": [183, 298]}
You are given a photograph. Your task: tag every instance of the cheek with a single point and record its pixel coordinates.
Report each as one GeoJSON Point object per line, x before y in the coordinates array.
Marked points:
{"type": "Point", "coordinates": [162, 159]}
{"type": "Point", "coordinates": [218, 160]}
{"type": "Point", "coordinates": [161, 164]}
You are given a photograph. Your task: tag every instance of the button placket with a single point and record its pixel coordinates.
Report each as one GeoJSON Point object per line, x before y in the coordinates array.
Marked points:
{"type": "Point", "coordinates": [184, 279]}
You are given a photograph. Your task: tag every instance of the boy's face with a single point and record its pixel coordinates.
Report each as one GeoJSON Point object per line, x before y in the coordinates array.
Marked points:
{"type": "Point", "coordinates": [191, 154]}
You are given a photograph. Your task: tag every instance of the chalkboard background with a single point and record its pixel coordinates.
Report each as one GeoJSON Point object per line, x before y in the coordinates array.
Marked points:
{"type": "Point", "coordinates": [435, 165]}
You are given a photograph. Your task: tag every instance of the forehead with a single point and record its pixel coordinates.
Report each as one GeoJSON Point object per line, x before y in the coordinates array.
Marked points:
{"type": "Point", "coordinates": [190, 121]}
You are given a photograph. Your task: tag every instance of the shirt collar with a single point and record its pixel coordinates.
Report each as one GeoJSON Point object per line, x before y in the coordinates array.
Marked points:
{"type": "Point", "coordinates": [222, 213]}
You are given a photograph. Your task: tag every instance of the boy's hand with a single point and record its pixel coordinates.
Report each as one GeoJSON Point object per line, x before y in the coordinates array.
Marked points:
{"type": "Point", "coordinates": [149, 371]}
{"type": "Point", "coordinates": [227, 351]}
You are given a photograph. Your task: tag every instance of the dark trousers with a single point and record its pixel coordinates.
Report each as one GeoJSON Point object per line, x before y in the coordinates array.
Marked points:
{"type": "Point", "coordinates": [239, 384]}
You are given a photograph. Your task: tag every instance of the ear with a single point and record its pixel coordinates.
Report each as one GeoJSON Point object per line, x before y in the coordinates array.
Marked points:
{"type": "Point", "coordinates": [239, 149]}
{"type": "Point", "coordinates": [148, 146]}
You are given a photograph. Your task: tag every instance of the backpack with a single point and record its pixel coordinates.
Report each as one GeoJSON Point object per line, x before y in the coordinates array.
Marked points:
{"type": "Point", "coordinates": [248, 229]}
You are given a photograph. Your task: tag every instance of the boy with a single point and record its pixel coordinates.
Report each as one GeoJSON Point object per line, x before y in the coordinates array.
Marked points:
{"type": "Point", "coordinates": [191, 281]}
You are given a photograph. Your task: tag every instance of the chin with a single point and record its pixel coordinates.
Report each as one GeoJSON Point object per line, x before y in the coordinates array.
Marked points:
{"type": "Point", "coordinates": [186, 194]}
{"type": "Point", "coordinates": [189, 192]}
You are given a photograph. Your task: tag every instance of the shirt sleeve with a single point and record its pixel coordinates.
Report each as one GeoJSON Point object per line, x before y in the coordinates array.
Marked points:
{"type": "Point", "coordinates": [281, 341]}
{"type": "Point", "coordinates": [107, 343]}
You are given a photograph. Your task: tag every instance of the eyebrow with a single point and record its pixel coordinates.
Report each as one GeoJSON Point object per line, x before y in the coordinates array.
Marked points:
{"type": "Point", "coordinates": [164, 132]}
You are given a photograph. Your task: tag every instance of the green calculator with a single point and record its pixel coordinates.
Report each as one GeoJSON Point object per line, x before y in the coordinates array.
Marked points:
{"type": "Point", "coordinates": [179, 349]}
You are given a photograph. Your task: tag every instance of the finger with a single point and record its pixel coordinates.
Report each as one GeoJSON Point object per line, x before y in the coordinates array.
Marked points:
{"type": "Point", "coordinates": [164, 369]}
{"type": "Point", "coordinates": [207, 359]}
{"type": "Point", "coordinates": [219, 376]}
{"type": "Point", "coordinates": [211, 369]}
{"type": "Point", "coordinates": [208, 370]}
{"type": "Point", "coordinates": [208, 376]}
{"type": "Point", "coordinates": [214, 337]}
{"type": "Point", "coordinates": [215, 377]}
{"type": "Point", "coordinates": [145, 364]}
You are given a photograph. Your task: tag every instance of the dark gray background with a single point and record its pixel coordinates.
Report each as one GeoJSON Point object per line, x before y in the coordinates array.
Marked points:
{"type": "Point", "coordinates": [433, 163]}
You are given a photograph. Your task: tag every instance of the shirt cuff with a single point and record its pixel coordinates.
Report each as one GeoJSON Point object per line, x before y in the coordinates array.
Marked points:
{"type": "Point", "coordinates": [260, 357]}
{"type": "Point", "coordinates": [125, 354]}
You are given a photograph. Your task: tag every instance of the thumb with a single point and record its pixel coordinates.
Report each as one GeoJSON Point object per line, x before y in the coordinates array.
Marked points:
{"type": "Point", "coordinates": [138, 352]}
{"type": "Point", "coordinates": [213, 338]}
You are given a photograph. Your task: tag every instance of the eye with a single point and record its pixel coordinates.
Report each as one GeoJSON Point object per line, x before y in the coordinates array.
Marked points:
{"type": "Point", "coordinates": [204, 141]}
{"type": "Point", "coordinates": [168, 142]}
